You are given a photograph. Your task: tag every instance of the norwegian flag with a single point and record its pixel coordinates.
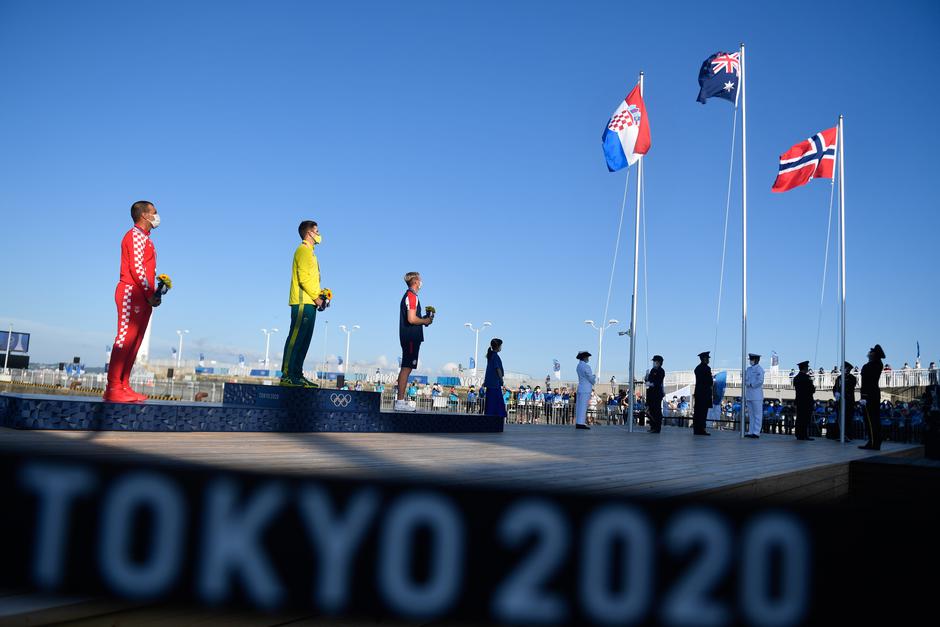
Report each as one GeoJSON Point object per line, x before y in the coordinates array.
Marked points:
{"type": "Point", "coordinates": [812, 158]}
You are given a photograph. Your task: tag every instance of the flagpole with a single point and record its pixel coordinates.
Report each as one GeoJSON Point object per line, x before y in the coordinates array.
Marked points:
{"type": "Point", "coordinates": [842, 278]}
{"type": "Point", "coordinates": [743, 93]}
{"type": "Point", "coordinates": [636, 261]}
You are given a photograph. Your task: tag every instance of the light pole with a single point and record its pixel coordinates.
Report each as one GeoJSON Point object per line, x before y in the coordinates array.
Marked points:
{"type": "Point", "coordinates": [179, 352]}
{"type": "Point", "coordinates": [267, 345]}
{"type": "Point", "coordinates": [348, 332]}
{"type": "Point", "coordinates": [476, 343]}
{"type": "Point", "coordinates": [600, 341]}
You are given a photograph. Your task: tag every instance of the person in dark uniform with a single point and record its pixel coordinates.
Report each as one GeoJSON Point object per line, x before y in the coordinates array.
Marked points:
{"type": "Point", "coordinates": [493, 381]}
{"type": "Point", "coordinates": [871, 396]}
{"type": "Point", "coordinates": [703, 394]}
{"type": "Point", "coordinates": [805, 389]}
{"type": "Point", "coordinates": [850, 383]}
{"type": "Point", "coordinates": [655, 394]}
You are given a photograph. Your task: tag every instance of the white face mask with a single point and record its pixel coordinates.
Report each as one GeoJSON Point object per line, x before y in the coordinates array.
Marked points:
{"type": "Point", "coordinates": [155, 220]}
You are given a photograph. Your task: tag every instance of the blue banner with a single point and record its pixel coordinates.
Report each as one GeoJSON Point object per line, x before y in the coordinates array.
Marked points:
{"type": "Point", "coordinates": [19, 342]}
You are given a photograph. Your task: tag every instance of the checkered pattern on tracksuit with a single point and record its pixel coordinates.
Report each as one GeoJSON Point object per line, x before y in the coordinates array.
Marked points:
{"type": "Point", "coordinates": [136, 284]}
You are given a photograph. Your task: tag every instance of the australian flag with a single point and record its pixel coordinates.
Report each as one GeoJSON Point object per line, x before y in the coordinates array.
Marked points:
{"type": "Point", "coordinates": [720, 77]}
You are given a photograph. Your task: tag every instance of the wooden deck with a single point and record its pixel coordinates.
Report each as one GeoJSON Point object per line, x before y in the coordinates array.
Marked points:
{"type": "Point", "coordinates": [604, 460]}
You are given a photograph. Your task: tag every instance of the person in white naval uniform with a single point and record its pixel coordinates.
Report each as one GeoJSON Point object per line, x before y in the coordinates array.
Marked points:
{"type": "Point", "coordinates": [586, 381]}
{"type": "Point", "coordinates": [754, 381]}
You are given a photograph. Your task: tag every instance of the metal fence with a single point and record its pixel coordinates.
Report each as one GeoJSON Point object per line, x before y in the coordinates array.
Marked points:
{"type": "Point", "coordinates": [193, 390]}
{"type": "Point", "coordinates": [781, 379]}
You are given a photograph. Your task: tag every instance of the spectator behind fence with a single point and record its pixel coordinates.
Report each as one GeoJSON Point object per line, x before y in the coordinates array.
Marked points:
{"type": "Point", "coordinates": [493, 381]}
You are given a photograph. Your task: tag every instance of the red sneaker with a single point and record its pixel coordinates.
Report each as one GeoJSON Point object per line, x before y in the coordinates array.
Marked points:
{"type": "Point", "coordinates": [119, 395]}
{"type": "Point", "coordinates": [137, 395]}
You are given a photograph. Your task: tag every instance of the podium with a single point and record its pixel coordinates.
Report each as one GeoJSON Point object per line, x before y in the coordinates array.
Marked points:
{"type": "Point", "coordinates": [244, 407]}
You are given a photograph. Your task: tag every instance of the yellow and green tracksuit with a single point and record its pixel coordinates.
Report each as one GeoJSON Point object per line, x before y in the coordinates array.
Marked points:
{"type": "Point", "coordinates": [304, 289]}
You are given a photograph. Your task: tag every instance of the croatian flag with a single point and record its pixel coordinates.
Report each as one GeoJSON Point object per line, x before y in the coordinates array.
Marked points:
{"type": "Point", "coordinates": [627, 135]}
{"type": "Point", "coordinates": [812, 158]}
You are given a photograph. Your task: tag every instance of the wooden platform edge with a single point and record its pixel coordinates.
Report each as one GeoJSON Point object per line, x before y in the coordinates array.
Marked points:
{"type": "Point", "coordinates": [827, 483]}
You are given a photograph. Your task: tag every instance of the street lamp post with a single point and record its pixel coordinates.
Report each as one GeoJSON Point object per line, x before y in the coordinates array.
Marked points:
{"type": "Point", "coordinates": [348, 332]}
{"type": "Point", "coordinates": [600, 341]}
{"type": "Point", "coordinates": [267, 345]}
{"type": "Point", "coordinates": [179, 352]}
{"type": "Point", "coordinates": [476, 343]}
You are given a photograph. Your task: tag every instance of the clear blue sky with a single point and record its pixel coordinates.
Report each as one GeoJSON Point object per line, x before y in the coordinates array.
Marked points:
{"type": "Point", "coordinates": [462, 140]}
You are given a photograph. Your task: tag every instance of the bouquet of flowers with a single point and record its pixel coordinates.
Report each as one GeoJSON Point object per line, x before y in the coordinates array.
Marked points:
{"type": "Point", "coordinates": [164, 283]}
{"type": "Point", "coordinates": [430, 311]}
{"type": "Point", "coordinates": [327, 295]}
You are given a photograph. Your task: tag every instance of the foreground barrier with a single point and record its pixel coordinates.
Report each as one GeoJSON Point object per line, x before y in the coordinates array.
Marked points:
{"type": "Point", "coordinates": [152, 532]}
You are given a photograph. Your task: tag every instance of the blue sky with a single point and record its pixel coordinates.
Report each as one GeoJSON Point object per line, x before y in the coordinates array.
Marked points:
{"type": "Point", "coordinates": [463, 140]}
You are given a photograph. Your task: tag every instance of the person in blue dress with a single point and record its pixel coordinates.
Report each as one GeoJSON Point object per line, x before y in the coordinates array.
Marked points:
{"type": "Point", "coordinates": [493, 380]}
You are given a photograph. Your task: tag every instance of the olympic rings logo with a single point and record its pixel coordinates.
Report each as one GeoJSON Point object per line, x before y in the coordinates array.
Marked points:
{"type": "Point", "coordinates": [341, 400]}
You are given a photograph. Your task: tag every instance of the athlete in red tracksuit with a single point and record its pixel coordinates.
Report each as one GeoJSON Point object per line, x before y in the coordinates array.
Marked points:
{"type": "Point", "coordinates": [135, 301]}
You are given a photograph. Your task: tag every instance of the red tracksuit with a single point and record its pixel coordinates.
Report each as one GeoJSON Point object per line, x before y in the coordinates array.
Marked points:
{"type": "Point", "coordinates": [136, 285]}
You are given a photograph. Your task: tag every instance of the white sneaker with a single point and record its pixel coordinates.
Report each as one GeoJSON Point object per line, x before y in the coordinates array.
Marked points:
{"type": "Point", "coordinates": [403, 406]}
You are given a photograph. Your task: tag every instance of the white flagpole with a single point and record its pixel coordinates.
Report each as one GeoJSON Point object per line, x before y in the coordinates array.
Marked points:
{"type": "Point", "coordinates": [841, 160]}
{"type": "Point", "coordinates": [743, 93]}
{"type": "Point", "coordinates": [636, 261]}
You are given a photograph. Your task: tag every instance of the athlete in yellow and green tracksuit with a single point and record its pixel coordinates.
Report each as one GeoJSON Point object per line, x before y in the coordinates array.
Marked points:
{"type": "Point", "coordinates": [304, 299]}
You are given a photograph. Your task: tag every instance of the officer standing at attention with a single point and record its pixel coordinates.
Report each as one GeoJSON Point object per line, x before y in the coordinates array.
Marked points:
{"type": "Point", "coordinates": [655, 394]}
{"type": "Point", "coordinates": [702, 395]}
{"type": "Point", "coordinates": [871, 395]}
{"type": "Point", "coordinates": [805, 389]}
{"type": "Point", "coordinates": [754, 381]}
{"type": "Point", "coordinates": [586, 381]}
{"type": "Point", "coordinates": [850, 383]}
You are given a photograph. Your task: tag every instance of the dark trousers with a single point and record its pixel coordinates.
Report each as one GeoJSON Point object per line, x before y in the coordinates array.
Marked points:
{"type": "Point", "coordinates": [302, 320]}
{"type": "Point", "coordinates": [803, 415]}
{"type": "Point", "coordinates": [655, 411]}
{"type": "Point", "coordinates": [699, 414]}
{"type": "Point", "coordinates": [873, 421]}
